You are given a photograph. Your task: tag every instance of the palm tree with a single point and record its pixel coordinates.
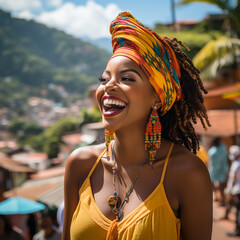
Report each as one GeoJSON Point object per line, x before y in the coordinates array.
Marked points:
{"type": "Point", "coordinates": [215, 55]}
{"type": "Point", "coordinates": [232, 8]}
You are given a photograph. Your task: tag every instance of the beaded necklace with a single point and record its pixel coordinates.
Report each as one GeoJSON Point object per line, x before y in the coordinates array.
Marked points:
{"type": "Point", "coordinates": [114, 201]}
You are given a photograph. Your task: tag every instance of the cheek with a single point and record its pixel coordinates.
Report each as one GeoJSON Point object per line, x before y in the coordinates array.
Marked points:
{"type": "Point", "coordinates": [141, 102]}
{"type": "Point", "coordinates": [99, 93]}
{"type": "Point", "coordinates": [144, 96]}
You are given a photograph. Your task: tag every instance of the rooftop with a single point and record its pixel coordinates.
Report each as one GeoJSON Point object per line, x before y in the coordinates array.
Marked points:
{"type": "Point", "coordinates": [224, 123]}
{"type": "Point", "coordinates": [13, 166]}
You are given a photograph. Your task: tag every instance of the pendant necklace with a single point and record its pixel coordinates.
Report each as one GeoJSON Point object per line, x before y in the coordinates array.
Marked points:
{"type": "Point", "coordinates": [114, 201]}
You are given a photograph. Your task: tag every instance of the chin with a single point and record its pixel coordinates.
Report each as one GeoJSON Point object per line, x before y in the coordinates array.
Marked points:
{"type": "Point", "coordinates": [109, 125]}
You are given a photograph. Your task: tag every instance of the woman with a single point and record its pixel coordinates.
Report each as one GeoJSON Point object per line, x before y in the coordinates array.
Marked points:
{"type": "Point", "coordinates": [145, 184]}
{"type": "Point", "coordinates": [218, 168]}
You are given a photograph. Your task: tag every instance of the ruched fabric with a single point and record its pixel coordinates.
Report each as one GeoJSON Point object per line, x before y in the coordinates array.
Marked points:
{"type": "Point", "coordinates": [152, 219]}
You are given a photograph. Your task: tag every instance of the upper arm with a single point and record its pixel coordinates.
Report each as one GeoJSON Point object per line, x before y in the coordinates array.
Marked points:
{"type": "Point", "coordinates": [77, 167]}
{"type": "Point", "coordinates": [195, 201]}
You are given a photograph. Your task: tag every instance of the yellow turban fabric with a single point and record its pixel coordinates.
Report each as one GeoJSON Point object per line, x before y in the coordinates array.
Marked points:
{"type": "Point", "coordinates": [152, 53]}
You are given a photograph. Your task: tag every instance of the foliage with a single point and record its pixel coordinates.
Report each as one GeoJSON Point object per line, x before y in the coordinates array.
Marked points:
{"type": "Point", "coordinates": [34, 56]}
{"type": "Point", "coordinates": [50, 140]}
{"type": "Point", "coordinates": [90, 116]}
{"type": "Point", "coordinates": [192, 39]}
{"type": "Point", "coordinates": [216, 54]}
{"type": "Point", "coordinates": [231, 7]}
{"type": "Point", "coordinates": [23, 130]}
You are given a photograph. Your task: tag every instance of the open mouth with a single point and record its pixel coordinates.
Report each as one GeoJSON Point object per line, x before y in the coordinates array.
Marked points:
{"type": "Point", "coordinates": [112, 107]}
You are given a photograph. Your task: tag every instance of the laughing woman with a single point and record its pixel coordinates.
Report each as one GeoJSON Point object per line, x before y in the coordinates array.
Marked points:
{"type": "Point", "coordinates": [145, 182]}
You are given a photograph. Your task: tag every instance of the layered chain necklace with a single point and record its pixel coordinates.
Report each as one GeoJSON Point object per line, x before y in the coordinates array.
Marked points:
{"type": "Point", "coordinates": [114, 201]}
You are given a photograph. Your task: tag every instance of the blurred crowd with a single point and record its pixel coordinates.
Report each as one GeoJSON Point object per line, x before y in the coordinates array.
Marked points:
{"type": "Point", "coordinates": [224, 169]}
{"type": "Point", "coordinates": [43, 225]}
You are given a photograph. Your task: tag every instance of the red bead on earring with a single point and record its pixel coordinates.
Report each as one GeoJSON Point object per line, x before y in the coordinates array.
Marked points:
{"type": "Point", "coordinates": [153, 136]}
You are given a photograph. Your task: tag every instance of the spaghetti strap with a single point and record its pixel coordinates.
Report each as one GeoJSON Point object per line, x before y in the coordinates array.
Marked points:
{"type": "Point", "coordinates": [166, 163]}
{"type": "Point", "coordinates": [95, 164]}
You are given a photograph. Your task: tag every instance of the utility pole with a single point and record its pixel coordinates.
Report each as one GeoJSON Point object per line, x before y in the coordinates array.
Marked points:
{"type": "Point", "coordinates": [173, 14]}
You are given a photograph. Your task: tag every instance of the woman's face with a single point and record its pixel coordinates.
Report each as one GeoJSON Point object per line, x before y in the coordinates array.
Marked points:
{"type": "Point", "coordinates": [125, 96]}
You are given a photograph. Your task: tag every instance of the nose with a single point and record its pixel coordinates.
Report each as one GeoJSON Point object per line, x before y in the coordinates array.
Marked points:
{"type": "Point", "coordinates": [110, 85]}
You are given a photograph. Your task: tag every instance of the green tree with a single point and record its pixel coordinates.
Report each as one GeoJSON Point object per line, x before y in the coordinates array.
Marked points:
{"type": "Point", "coordinates": [48, 141]}
{"type": "Point", "coordinates": [231, 7]}
{"type": "Point", "coordinates": [90, 116]}
{"type": "Point", "coordinates": [52, 135]}
{"type": "Point", "coordinates": [217, 54]}
{"type": "Point", "coordinates": [192, 39]}
{"type": "Point", "coordinates": [23, 130]}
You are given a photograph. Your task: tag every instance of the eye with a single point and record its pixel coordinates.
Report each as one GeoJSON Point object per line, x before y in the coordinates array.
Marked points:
{"type": "Point", "coordinates": [102, 79]}
{"type": "Point", "coordinates": [128, 79]}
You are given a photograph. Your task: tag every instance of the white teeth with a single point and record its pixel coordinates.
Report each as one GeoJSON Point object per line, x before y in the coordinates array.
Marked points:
{"type": "Point", "coordinates": [113, 102]}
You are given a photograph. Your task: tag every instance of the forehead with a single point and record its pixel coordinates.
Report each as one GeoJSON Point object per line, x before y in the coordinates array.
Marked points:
{"type": "Point", "coordinates": [122, 62]}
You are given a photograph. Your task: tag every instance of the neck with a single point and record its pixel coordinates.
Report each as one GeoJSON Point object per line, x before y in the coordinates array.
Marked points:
{"type": "Point", "coordinates": [129, 148]}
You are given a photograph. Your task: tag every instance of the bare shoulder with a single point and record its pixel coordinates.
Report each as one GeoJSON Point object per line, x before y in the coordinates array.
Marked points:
{"type": "Point", "coordinates": [185, 162]}
{"type": "Point", "coordinates": [81, 160]}
{"type": "Point", "coordinates": [86, 153]}
{"type": "Point", "coordinates": [77, 168]}
{"type": "Point", "coordinates": [188, 172]}
{"type": "Point", "coordinates": [193, 191]}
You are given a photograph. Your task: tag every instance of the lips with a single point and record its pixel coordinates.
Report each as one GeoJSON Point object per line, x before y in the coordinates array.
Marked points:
{"type": "Point", "coordinates": [112, 106]}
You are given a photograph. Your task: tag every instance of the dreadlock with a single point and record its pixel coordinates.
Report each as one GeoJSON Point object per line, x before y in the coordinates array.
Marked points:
{"type": "Point", "coordinates": [178, 121]}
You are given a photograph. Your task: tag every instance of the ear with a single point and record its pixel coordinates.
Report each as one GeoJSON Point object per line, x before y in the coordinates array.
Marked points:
{"type": "Point", "coordinates": [157, 102]}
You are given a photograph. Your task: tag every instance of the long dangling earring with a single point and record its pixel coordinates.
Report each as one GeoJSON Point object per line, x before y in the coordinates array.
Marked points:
{"type": "Point", "coordinates": [108, 137]}
{"type": "Point", "coordinates": [153, 136]}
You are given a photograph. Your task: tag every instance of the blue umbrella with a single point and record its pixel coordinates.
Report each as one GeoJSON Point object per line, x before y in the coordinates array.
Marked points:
{"type": "Point", "coordinates": [19, 205]}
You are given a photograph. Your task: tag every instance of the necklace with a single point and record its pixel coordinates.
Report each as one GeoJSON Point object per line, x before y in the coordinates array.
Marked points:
{"type": "Point", "coordinates": [114, 201]}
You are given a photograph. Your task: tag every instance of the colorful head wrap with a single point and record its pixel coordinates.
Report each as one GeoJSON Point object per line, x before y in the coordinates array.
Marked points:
{"type": "Point", "coordinates": [152, 53]}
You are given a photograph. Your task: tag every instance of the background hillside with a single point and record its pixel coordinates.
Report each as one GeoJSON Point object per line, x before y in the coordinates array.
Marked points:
{"type": "Point", "coordinates": [32, 56]}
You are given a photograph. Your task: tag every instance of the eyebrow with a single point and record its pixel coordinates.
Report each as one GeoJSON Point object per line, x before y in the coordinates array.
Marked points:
{"type": "Point", "coordinates": [126, 70]}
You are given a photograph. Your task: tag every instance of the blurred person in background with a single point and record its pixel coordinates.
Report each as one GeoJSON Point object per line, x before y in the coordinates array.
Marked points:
{"type": "Point", "coordinates": [60, 213]}
{"type": "Point", "coordinates": [47, 223]}
{"type": "Point", "coordinates": [32, 224]}
{"type": "Point", "coordinates": [232, 190]}
{"type": "Point", "coordinates": [7, 231]}
{"type": "Point", "coordinates": [218, 168]}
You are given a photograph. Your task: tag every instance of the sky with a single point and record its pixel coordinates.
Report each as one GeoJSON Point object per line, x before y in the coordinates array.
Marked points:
{"type": "Point", "coordinates": [91, 18]}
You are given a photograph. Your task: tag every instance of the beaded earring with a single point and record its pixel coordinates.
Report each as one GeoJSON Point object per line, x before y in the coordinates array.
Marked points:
{"type": "Point", "coordinates": [153, 136]}
{"type": "Point", "coordinates": [108, 137]}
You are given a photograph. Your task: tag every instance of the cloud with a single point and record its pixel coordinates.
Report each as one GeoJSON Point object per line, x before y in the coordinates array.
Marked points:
{"type": "Point", "coordinates": [54, 3]}
{"type": "Point", "coordinates": [91, 20]}
{"type": "Point", "coordinates": [26, 14]}
{"type": "Point", "coordinates": [20, 5]}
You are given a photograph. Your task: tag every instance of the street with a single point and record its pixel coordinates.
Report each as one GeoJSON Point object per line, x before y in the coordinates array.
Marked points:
{"type": "Point", "coordinates": [221, 227]}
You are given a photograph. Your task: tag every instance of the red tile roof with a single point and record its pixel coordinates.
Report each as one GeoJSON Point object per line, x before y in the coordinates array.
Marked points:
{"type": "Point", "coordinates": [13, 166]}
{"type": "Point", "coordinates": [30, 192]}
{"type": "Point", "coordinates": [52, 172]}
{"type": "Point", "coordinates": [72, 139]}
